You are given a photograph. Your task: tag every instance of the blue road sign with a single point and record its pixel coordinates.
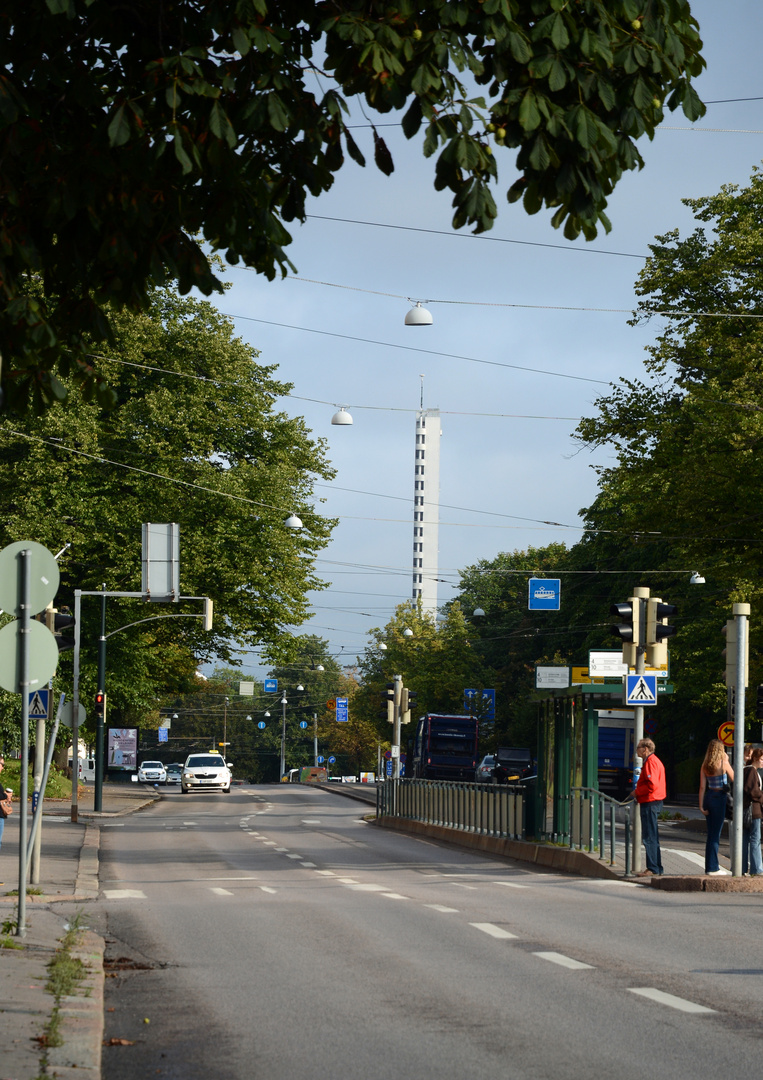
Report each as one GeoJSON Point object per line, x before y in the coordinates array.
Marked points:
{"type": "Point", "coordinates": [271, 686]}
{"type": "Point", "coordinates": [332, 760]}
{"type": "Point", "coordinates": [488, 705]}
{"type": "Point", "coordinates": [303, 723]}
{"type": "Point", "coordinates": [544, 594]}
{"type": "Point", "coordinates": [484, 709]}
{"type": "Point", "coordinates": [38, 704]}
{"type": "Point", "coordinates": [320, 759]}
{"type": "Point", "coordinates": [261, 725]}
{"type": "Point", "coordinates": [341, 709]}
{"type": "Point", "coordinates": [640, 689]}
{"type": "Point", "coordinates": [163, 733]}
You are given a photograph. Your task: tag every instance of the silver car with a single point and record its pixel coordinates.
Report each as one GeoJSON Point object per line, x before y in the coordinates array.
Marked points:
{"type": "Point", "coordinates": [173, 773]}
{"type": "Point", "coordinates": [484, 773]}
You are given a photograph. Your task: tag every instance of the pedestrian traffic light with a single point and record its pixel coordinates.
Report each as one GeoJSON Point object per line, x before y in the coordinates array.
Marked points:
{"type": "Point", "coordinates": [730, 653]}
{"type": "Point", "coordinates": [100, 705]}
{"type": "Point", "coordinates": [57, 621]}
{"type": "Point", "coordinates": [388, 703]}
{"type": "Point", "coordinates": [658, 631]}
{"type": "Point", "coordinates": [628, 628]}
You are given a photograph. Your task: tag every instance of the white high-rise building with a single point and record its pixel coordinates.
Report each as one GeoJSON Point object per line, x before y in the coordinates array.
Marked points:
{"type": "Point", "coordinates": [426, 509]}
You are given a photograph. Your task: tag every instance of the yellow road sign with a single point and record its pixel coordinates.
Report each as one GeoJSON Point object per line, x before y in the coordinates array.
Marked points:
{"type": "Point", "coordinates": [726, 733]}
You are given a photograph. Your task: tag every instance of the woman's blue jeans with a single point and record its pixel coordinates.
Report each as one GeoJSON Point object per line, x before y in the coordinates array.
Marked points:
{"type": "Point", "coordinates": [715, 804]}
{"type": "Point", "coordinates": [751, 856]}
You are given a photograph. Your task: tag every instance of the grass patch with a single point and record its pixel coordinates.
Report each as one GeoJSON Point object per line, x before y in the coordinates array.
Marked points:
{"type": "Point", "coordinates": [65, 973]}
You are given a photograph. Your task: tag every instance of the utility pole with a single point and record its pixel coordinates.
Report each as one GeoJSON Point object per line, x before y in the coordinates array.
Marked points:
{"type": "Point", "coordinates": [398, 688]}
{"type": "Point", "coordinates": [741, 614]}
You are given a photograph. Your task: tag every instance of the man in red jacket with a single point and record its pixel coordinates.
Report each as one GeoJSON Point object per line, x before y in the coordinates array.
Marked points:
{"type": "Point", "coordinates": [649, 793]}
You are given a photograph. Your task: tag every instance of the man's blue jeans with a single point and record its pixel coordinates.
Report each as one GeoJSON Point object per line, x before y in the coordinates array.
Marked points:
{"type": "Point", "coordinates": [649, 812]}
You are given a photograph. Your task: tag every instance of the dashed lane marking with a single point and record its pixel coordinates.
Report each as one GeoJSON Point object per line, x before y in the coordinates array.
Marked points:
{"type": "Point", "coordinates": [221, 892]}
{"type": "Point", "coordinates": [368, 888]}
{"type": "Point", "coordinates": [512, 885]}
{"type": "Point", "coordinates": [493, 930]}
{"type": "Point", "coordinates": [394, 896]}
{"type": "Point", "coordinates": [670, 1000]}
{"type": "Point", "coordinates": [124, 894]}
{"type": "Point", "coordinates": [310, 821]}
{"type": "Point", "coordinates": [308, 865]}
{"type": "Point", "coordinates": [291, 855]}
{"type": "Point", "coordinates": [563, 961]}
{"type": "Point", "coordinates": [441, 907]}
{"type": "Point", "coordinates": [326, 873]}
{"type": "Point", "coordinates": [266, 888]}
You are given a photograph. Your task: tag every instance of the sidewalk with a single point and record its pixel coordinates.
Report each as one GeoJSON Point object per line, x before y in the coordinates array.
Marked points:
{"type": "Point", "coordinates": [68, 881]}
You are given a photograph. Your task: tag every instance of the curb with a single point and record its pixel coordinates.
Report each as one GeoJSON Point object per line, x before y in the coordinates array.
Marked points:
{"type": "Point", "coordinates": [81, 1019]}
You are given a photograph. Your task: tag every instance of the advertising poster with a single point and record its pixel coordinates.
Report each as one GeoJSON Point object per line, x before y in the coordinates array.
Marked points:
{"type": "Point", "coordinates": [122, 749]}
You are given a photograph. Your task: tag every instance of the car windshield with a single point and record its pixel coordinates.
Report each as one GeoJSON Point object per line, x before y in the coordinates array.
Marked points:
{"type": "Point", "coordinates": [152, 765]}
{"type": "Point", "coordinates": [174, 768]}
{"type": "Point", "coordinates": [205, 761]}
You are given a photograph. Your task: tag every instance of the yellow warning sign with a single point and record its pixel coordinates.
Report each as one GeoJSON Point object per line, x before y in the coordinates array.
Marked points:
{"type": "Point", "coordinates": [726, 733]}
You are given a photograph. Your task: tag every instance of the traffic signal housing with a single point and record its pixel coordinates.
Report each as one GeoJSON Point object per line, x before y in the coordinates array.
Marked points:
{"type": "Point", "coordinates": [388, 704]}
{"type": "Point", "coordinates": [407, 703]}
{"type": "Point", "coordinates": [658, 631]}
{"type": "Point", "coordinates": [628, 628]}
{"type": "Point", "coordinates": [759, 704]}
{"type": "Point", "coordinates": [57, 621]}
{"type": "Point", "coordinates": [730, 653]}
{"type": "Point", "coordinates": [100, 705]}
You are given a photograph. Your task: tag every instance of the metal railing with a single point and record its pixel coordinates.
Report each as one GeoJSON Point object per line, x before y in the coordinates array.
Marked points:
{"type": "Point", "coordinates": [590, 813]}
{"type": "Point", "coordinates": [483, 809]}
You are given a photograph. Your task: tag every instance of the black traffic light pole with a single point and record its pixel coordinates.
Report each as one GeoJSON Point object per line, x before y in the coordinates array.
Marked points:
{"type": "Point", "coordinates": [100, 711]}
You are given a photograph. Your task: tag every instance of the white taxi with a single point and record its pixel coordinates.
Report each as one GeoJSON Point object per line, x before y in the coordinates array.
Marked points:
{"type": "Point", "coordinates": [205, 772]}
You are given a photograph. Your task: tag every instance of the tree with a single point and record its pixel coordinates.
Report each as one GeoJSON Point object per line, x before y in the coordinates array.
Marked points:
{"type": "Point", "coordinates": [193, 439]}
{"type": "Point", "coordinates": [687, 485]}
{"type": "Point", "coordinates": [132, 134]}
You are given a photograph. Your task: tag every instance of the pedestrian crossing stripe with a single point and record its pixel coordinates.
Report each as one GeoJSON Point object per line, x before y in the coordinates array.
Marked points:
{"type": "Point", "coordinates": [641, 690]}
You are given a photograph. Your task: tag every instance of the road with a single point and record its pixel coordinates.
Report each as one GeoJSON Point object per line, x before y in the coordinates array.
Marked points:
{"type": "Point", "coordinates": [272, 934]}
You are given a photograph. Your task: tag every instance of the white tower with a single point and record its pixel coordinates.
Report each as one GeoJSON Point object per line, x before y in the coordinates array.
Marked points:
{"type": "Point", "coordinates": [426, 508]}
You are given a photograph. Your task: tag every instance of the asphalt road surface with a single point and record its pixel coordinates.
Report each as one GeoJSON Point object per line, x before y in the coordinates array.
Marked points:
{"type": "Point", "coordinates": [272, 934]}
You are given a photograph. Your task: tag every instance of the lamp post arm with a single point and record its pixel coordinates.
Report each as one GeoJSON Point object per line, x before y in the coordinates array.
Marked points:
{"type": "Point", "coordinates": [151, 618]}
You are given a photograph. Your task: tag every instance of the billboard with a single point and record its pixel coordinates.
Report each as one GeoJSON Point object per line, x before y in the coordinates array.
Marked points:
{"type": "Point", "coordinates": [122, 749]}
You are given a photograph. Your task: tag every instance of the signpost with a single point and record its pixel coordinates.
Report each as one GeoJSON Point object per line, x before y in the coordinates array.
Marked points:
{"type": "Point", "coordinates": [342, 713]}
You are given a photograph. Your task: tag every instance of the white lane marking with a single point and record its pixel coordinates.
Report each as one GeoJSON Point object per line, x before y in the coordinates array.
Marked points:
{"type": "Point", "coordinates": [310, 821]}
{"type": "Point", "coordinates": [266, 889]}
{"type": "Point", "coordinates": [691, 856]}
{"type": "Point", "coordinates": [512, 885]}
{"type": "Point", "coordinates": [221, 892]}
{"type": "Point", "coordinates": [614, 881]}
{"type": "Point", "coordinates": [190, 823]}
{"type": "Point", "coordinates": [367, 888]}
{"type": "Point", "coordinates": [326, 873]}
{"type": "Point", "coordinates": [492, 929]}
{"type": "Point", "coordinates": [460, 885]}
{"type": "Point", "coordinates": [347, 880]}
{"type": "Point", "coordinates": [291, 855]}
{"type": "Point", "coordinates": [394, 896]}
{"type": "Point", "coordinates": [441, 907]}
{"type": "Point", "coordinates": [124, 894]}
{"type": "Point", "coordinates": [308, 865]}
{"type": "Point", "coordinates": [563, 961]}
{"type": "Point", "coordinates": [231, 879]}
{"type": "Point", "coordinates": [281, 849]}
{"type": "Point", "coordinates": [103, 824]}
{"type": "Point", "coordinates": [271, 843]}
{"type": "Point", "coordinates": [669, 999]}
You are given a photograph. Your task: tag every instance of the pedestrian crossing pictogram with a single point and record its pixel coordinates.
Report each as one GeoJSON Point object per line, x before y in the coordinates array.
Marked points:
{"type": "Point", "coordinates": [641, 690]}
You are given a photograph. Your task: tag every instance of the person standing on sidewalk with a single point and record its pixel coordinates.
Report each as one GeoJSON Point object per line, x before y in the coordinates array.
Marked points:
{"type": "Point", "coordinates": [649, 793]}
{"type": "Point", "coordinates": [5, 793]}
{"type": "Point", "coordinates": [752, 798]}
{"type": "Point", "coordinates": [712, 800]}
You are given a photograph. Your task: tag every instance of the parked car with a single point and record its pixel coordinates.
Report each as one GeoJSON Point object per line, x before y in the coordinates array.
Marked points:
{"type": "Point", "coordinates": [484, 773]}
{"type": "Point", "coordinates": [173, 773]}
{"type": "Point", "coordinates": [205, 772]}
{"type": "Point", "coordinates": [152, 772]}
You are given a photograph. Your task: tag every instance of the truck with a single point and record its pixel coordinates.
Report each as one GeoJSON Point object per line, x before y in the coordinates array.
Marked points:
{"type": "Point", "coordinates": [616, 746]}
{"type": "Point", "coordinates": [445, 747]}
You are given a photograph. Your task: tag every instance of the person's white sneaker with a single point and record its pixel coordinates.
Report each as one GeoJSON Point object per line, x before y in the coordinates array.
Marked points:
{"type": "Point", "coordinates": [714, 873]}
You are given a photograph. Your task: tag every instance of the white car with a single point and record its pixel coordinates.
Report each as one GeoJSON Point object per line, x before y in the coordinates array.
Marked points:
{"type": "Point", "coordinates": [173, 773]}
{"type": "Point", "coordinates": [152, 772]}
{"type": "Point", "coordinates": [205, 772]}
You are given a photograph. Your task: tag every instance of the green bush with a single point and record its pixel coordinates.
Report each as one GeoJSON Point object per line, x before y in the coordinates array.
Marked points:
{"type": "Point", "coordinates": [687, 775]}
{"type": "Point", "coordinates": [59, 787]}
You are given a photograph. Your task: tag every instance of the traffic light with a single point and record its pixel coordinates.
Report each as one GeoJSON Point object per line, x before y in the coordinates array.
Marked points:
{"type": "Point", "coordinates": [658, 631]}
{"type": "Point", "coordinates": [100, 705]}
{"type": "Point", "coordinates": [730, 653]}
{"type": "Point", "coordinates": [628, 629]}
{"type": "Point", "coordinates": [759, 704]}
{"type": "Point", "coordinates": [388, 703]}
{"type": "Point", "coordinates": [56, 621]}
{"type": "Point", "coordinates": [407, 703]}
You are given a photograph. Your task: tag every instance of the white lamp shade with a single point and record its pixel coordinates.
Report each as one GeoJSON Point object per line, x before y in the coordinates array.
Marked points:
{"type": "Point", "coordinates": [342, 418]}
{"type": "Point", "coordinates": [418, 316]}
{"type": "Point", "coordinates": [478, 612]}
{"type": "Point", "coordinates": [407, 632]}
{"type": "Point", "coordinates": [293, 522]}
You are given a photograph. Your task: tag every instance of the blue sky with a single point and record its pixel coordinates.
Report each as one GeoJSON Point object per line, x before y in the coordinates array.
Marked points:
{"type": "Point", "coordinates": [508, 462]}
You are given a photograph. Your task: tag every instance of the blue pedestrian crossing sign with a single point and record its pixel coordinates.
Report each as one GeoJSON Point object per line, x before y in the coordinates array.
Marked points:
{"type": "Point", "coordinates": [38, 705]}
{"type": "Point", "coordinates": [640, 689]}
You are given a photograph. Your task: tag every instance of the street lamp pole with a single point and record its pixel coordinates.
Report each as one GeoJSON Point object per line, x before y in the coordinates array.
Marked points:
{"type": "Point", "coordinates": [283, 737]}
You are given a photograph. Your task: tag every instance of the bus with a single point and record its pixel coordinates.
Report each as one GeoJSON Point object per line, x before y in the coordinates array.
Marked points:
{"type": "Point", "coordinates": [445, 747]}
